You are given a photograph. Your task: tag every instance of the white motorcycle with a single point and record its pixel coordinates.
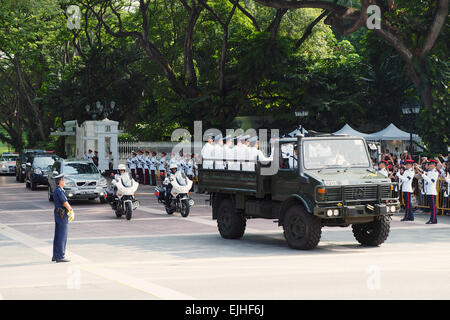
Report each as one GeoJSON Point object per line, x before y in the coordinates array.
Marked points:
{"type": "Point", "coordinates": [124, 201]}
{"type": "Point", "coordinates": [179, 199]}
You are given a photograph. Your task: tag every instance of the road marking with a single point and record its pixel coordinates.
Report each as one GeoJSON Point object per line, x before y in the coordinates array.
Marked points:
{"type": "Point", "coordinates": [34, 243]}
{"type": "Point", "coordinates": [47, 250]}
{"type": "Point", "coordinates": [137, 283]}
{"type": "Point", "coordinates": [81, 221]}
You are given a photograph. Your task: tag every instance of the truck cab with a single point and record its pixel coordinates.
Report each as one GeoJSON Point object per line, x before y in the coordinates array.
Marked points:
{"type": "Point", "coordinates": [309, 183]}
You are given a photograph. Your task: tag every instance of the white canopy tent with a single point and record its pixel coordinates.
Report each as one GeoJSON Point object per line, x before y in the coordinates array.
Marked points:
{"type": "Point", "coordinates": [391, 132]}
{"type": "Point", "coordinates": [351, 132]}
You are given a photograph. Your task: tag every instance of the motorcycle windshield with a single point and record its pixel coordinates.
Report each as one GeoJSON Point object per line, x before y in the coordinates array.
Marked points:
{"type": "Point", "coordinates": [181, 179]}
{"type": "Point", "coordinates": [126, 181]}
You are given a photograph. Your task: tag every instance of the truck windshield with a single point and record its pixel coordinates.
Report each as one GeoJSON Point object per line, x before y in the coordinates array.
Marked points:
{"type": "Point", "coordinates": [331, 153]}
{"type": "Point", "coordinates": [80, 168]}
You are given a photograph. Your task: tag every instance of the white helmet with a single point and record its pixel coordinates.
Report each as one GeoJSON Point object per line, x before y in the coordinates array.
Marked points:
{"type": "Point", "coordinates": [173, 166]}
{"type": "Point", "coordinates": [122, 167]}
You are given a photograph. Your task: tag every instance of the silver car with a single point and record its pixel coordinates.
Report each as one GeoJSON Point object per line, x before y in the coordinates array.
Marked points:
{"type": "Point", "coordinates": [83, 180]}
{"type": "Point", "coordinates": [8, 163]}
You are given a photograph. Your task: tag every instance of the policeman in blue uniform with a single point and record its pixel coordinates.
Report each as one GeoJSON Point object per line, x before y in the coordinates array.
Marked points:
{"type": "Point", "coordinates": [62, 206]}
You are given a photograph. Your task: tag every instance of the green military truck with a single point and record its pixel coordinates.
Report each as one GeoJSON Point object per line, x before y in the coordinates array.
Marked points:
{"type": "Point", "coordinates": [309, 183]}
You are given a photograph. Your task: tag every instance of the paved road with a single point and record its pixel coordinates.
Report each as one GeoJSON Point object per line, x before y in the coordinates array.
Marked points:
{"type": "Point", "coordinates": [156, 256]}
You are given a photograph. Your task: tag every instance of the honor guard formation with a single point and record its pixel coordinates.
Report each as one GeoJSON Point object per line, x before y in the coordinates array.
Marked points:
{"type": "Point", "coordinates": [417, 182]}
{"type": "Point", "coordinates": [232, 153]}
{"type": "Point", "coordinates": [146, 166]}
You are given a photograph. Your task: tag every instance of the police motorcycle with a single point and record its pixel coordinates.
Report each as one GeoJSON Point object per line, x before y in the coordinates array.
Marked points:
{"type": "Point", "coordinates": [123, 201]}
{"type": "Point", "coordinates": [174, 192]}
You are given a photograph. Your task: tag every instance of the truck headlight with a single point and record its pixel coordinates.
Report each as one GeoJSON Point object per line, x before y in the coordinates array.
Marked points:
{"type": "Point", "coordinates": [388, 209]}
{"type": "Point", "coordinates": [102, 182]}
{"type": "Point", "coordinates": [335, 212]}
{"type": "Point", "coordinates": [393, 208]}
{"type": "Point", "coordinates": [329, 212]}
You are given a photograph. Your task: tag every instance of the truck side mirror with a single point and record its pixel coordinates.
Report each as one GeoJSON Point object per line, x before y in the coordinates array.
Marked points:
{"type": "Point", "coordinates": [55, 173]}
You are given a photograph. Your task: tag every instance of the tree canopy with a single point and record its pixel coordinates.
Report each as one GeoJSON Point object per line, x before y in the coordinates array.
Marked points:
{"type": "Point", "coordinates": [166, 64]}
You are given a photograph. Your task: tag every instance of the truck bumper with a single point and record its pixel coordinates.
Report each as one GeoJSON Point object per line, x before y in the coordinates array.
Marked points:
{"type": "Point", "coordinates": [356, 211]}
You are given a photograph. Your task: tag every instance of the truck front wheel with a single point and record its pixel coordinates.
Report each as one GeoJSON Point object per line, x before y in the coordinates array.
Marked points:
{"type": "Point", "coordinates": [372, 234]}
{"type": "Point", "coordinates": [301, 229]}
{"type": "Point", "coordinates": [230, 223]}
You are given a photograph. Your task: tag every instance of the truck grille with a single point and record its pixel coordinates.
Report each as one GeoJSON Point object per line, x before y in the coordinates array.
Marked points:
{"type": "Point", "coordinates": [333, 194]}
{"type": "Point", "coordinates": [385, 192]}
{"type": "Point", "coordinates": [361, 193]}
{"type": "Point", "coordinates": [356, 193]}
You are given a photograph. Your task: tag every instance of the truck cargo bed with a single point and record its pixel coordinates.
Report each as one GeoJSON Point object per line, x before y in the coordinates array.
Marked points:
{"type": "Point", "coordinates": [227, 180]}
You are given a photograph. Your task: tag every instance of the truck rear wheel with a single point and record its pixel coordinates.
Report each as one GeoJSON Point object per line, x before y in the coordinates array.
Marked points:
{"type": "Point", "coordinates": [374, 233]}
{"type": "Point", "coordinates": [230, 223]}
{"type": "Point", "coordinates": [301, 229]}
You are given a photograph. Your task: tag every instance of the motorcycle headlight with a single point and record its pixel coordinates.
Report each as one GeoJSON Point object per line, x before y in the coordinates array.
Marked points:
{"type": "Point", "coordinates": [37, 171]}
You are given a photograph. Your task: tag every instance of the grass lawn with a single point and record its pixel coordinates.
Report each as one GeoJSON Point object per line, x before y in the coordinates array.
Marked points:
{"type": "Point", "coordinates": [3, 148]}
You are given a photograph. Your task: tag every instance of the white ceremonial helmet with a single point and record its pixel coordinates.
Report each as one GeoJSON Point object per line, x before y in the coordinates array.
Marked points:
{"type": "Point", "coordinates": [122, 167]}
{"type": "Point", "coordinates": [173, 166]}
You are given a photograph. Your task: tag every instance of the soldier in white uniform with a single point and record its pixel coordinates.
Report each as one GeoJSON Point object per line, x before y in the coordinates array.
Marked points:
{"type": "Point", "coordinates": [256, 154]}
{"type": "Point", "coordinates": [153, 167]}
{"type": "Point", "coordinates": [140, 166]}
{"type": "Point", "coordinates": [446, 175]}
{"type": "Point", "coordinates": [430, 178]}
{"type": "Point", "coordinates": [246, 155]}
{"type": "Point", "coordinates": [218, 153]}
{"type": "Point", "coordinates": [207, 154]}
{"type": "Point", "coordinates": [228, 151]}
{"type": "Point", "coordinates": [181, 163]}
{"type": "Point", "coordinates": [162, 166]}
{"type": "Point", "coordinates": [406, 179]}
{"type": "Point", "coordinates": [190, 168]}
{"type": "Point", "coordinates": [132, 162]}
{"type": "Point", "coordinates": [146, 167]}
{"type": "Point", "coordinates": [239, 152]}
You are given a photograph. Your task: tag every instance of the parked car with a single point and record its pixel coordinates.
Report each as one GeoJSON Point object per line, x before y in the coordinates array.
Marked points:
{"type": "Point", "coordinates": [37, 168]}
{"type": "Point", "coordinates": [83, 180]}
{"type": "Point", "coordinates": [23, 159]}
{"type": "Point", "coordinates": [8, 163]}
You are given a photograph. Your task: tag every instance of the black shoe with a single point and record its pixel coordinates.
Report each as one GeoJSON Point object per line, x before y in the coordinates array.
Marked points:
{"type": "Point", "coordinates": [62, 260]}
{"type": "Point", "coordinates": [411, 219]}
{"type": "Point", "coordinates": [53, 259]}
{"type": "Point", "coordinates": [431, 222]}
{"type": "Point", "coordinates": [404, 219]}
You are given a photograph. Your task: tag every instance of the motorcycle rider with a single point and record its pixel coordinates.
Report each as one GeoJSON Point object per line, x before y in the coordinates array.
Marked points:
{"type": "Point", "coordinates": [122, 174]}
{"type": "Point", "coordinates": [171, 174]}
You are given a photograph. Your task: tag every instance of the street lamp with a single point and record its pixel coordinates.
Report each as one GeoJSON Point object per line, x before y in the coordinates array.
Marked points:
{"type": "Point", "coordinates": [410, 110]}
{"type": "Point", "coordinates": [301, 114]}
{"type": "Point", "coordinates": [99, 110]}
